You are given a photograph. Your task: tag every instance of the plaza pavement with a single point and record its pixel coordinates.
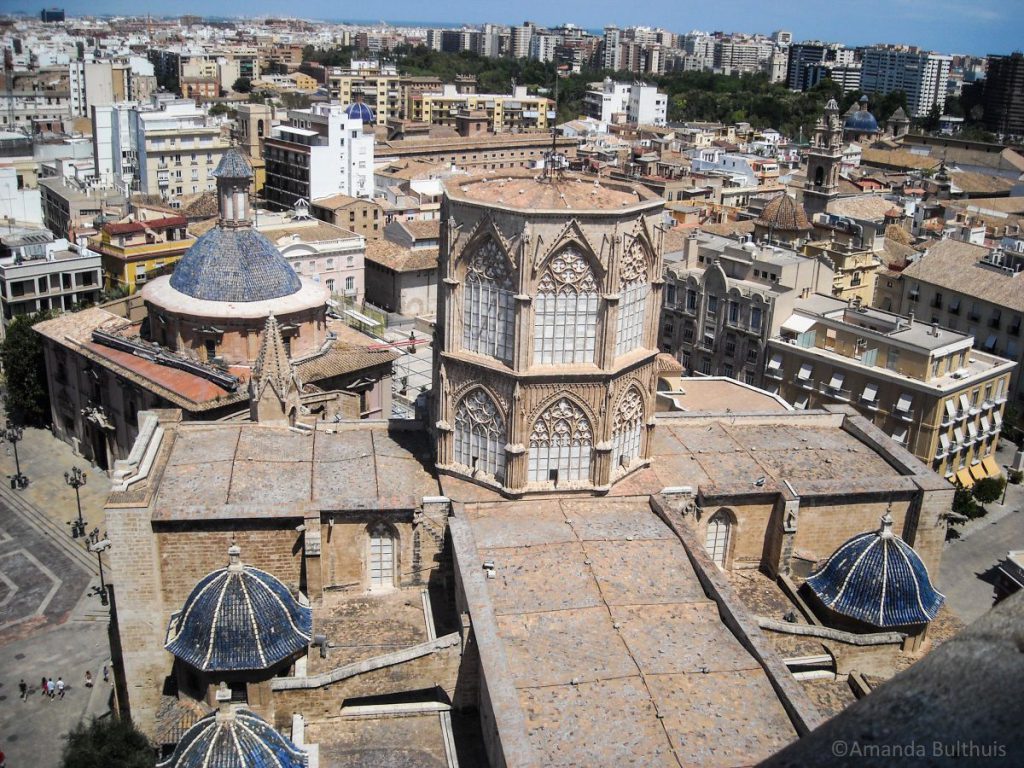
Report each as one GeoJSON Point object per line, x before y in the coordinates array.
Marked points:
{"type": "Point", "coordinates": [51, 620]}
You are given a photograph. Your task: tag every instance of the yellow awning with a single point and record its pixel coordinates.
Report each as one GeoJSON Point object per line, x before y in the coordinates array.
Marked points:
{"type": "Point", "coordinates": [963, 477]}
{"type": "Point", "coordinates": [991, 468]}
{"type": "Point", "coordinates": [977, 471]}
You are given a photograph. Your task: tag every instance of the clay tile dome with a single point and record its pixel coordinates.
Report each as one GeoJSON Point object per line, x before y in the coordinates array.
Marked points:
{"type": "Point", "coordinates": [359, 111]}
{"type": "Point", "coordinates": [234, 264]}
{"type": "Point", "coordinates": [233, 166]}
{"type": "Point", "coordinates": [236, 739]}
{"type": "Point", "coordinates": [782, 213]}
{"type": "Point", "coordinates": [879, 579]}
{"type": "Point", "coordinates": [239, 618]}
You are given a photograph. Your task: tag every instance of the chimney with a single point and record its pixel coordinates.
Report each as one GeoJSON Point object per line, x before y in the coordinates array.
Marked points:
{"type": "Point", "coordinates": [935, 330]}
{"type": "Point", "coordinates": [911, 318]}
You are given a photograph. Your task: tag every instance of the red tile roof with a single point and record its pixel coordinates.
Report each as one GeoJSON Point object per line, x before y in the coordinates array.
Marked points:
{"type": "Point", "coordinates": [124, 228]}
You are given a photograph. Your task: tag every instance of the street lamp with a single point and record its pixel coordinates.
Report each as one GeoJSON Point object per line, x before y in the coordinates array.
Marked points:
{"type": "Point", "coordinates": [13, 434]}
{"type": "Point", "coordinates": [99, 548]}
{"type": "Point", "coordinates": [76, 479]}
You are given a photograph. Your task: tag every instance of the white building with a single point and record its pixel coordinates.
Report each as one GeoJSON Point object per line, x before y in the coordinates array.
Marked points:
{"type": "Point", "coordinates": [919, 74]}
{"type": "Point", "coordinates": [640, 103]}
{"type": "Point", "coordinates": [320, 151]}
{"type": "Point", "coordinates": [611, 58]}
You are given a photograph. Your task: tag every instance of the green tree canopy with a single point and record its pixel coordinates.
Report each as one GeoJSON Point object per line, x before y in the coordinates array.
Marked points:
{"type": "Point", "coordinates": [242, 85]}
{"type": "Point", "coordinates": [28, 398]}
{"type": "Point", "coordinates": [988, 489]}
{"type": "Point", "coordinates": [107, 743]}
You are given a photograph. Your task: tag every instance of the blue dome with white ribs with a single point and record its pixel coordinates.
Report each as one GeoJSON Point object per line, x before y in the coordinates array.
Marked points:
{"type": "Point", "coordinates": [861, 121]}
{"type": "Point", "coordinates": [234, 739]}
{"type": "Point", "coordinates": [239, 618]}
{"type": "Point", "coordinates": [879, 579]}
{"type": "Point", "coordinates": [359, 111]}
{"type": "Point", "coordinates": [234, 264]}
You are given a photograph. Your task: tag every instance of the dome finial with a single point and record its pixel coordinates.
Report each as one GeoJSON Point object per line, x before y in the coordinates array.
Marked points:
{"type": "Point", "coordinates": [886, 530]}
{"type": "Point", "coordinates": [234, 557]}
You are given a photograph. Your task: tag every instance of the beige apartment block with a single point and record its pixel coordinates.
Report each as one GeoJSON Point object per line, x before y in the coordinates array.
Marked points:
{"type": "Point", "coordinates": [923, 385]}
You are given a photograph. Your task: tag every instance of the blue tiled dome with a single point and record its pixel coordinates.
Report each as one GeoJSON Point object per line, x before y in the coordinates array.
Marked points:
{"type": "Point", "coordinates": [239, 618]}
{"type": "Point", "coordinates": [239, 739]}
{"type": "Point", "coordinates": [234, 264]}
{"type": "Point", "coordinates": [861, 121]}
{"type": "Point", "coordinates": [359, 111]}
{"type": "Point", "coordinates": [233, 166]}
{"type": "Point", "coordinates": [877, 578]}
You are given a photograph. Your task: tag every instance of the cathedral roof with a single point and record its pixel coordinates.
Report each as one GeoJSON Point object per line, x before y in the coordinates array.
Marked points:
{"type": "Point", "coordinates": [239, 618]}
{"type": "Point", "coordinates": [234, 264]}
{"type": "Point", "coordinates": [235, 739]}
{"type": "Point", "coordinates": [783, 214]}
{"type": "Point", "coordinates": [879, 579]}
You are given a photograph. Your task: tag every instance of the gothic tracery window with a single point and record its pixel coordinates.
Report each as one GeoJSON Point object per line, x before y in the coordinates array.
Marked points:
{"type": "Point", "coordinates": [627, 429]}
{"type": "Point", "coordinates": [633, 290]}
{"type": "Point", "coordinates": [560, 445]}
{"type": "Point", "coordinates": [488, 312]}
{"type": "Point", "coordinates": [565, 311]}
{"type": "Point", "coordinates": [480, 435]}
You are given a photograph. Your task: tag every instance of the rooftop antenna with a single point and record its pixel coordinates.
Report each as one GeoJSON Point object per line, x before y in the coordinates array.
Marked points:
{"type": "Point", "coordinates": [551, 166]}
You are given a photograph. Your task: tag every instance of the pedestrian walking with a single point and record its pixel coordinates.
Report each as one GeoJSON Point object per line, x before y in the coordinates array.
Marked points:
{"type": "Point", "coordinates": [88, 679]}
{"type": "Point", "coordinates": [51, 689]}
{"type": "Point", "coordinates": [106, 674]}
{"type": "Point", "coordinates": [23, 688]}
{"type": "Point", "coordinates": [42, 686]}
{"type": "Point", "coordinates": [60, 687]}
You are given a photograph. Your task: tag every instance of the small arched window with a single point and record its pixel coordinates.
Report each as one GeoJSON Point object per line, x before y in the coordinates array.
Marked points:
{"type": "Point", "coordinates": [716, 541]}
{"type": "Point", "coordinates": [819, 176]}
{"type": "Point", "coordinates": [259, 128]}
{"type": "Point", "coordinates": [480, 435]}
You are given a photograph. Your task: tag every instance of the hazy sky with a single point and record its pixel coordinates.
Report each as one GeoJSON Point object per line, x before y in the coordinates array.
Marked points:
{"type": "Point", "coordinates": [948, 26]}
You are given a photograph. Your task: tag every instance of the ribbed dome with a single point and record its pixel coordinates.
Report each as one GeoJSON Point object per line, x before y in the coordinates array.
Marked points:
{"type": "Point", "coordinates": [239, 618]}
{"type": "Point", "coordinates": [877, 578]}
{"type": "Point", "coordinates": [782, 213]}
{"type": "Point", "coordinates": [234, 264]}
{"type": "Point", "coordinates": [359, 111]}
{"type": "Point", "coordinates": [861, 121]}
{"type": "Point", "coordinates": [233, 166]}
{"type": "Point", "coordinates": [236, 739]}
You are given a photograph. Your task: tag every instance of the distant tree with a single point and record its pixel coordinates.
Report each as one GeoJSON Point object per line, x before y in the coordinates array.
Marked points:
{"type": "Point", "coordinates": [107, 743]}
{"type": "Point", "coordinates": [242, 85]}
{"type": "Point", "coordinates": [988, 489]}
{"type": "Point", "coordinates": [28, 398]}
{"type": "Point", "coordinates": [931, 121]}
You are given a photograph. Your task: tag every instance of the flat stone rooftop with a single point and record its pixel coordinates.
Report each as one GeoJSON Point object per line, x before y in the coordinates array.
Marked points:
{"type": "Point", "coordinates": [602, 620]}
{"type": "Point", "coordinates": [568, 192]}
{"type": "Point", "coordinates": [225, 470]}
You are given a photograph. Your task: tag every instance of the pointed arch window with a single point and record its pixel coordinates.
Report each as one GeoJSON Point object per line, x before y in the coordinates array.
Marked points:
{"type": "Point", "coordinates": [633, 290]}
{"type": "Point", "coordinates": [560, 445]}
{"type": "Point", "coordinates": [627, 429]}
{"type": "Point", "coordinates": [565, 311]}
{"type": "Point", "coordinates": [716, 540]}
{"type": "Point", "coordinates": [488, 318]}
{"type": "Point", "coordinates": [480, 435]}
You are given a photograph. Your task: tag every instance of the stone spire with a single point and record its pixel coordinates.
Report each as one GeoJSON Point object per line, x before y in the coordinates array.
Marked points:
{"type": "Point", "coordinates": [274, 386]}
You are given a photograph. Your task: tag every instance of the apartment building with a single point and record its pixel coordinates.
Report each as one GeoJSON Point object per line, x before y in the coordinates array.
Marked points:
{"type": "Point", "coordinates": [923, 385]}
{"type": "Point", "coordinates": [919, 74]}
{"type": "Point", "coordinates": [360, 215]}
{"type": "Point", "coordinates": [973, 289]}
{"type": "Point", "coordinates": [320, 151]}
{"type": "Point", "coordinates": [39, 272]}
{"type": "Point", "coordinates": [1004, 94]}
{"type": "Point", "coordinates": [745, 170]}
{"type": "Point", "coordinates": [71, 209]}
{"type": "Point", "coordinates": [140, 246]}
{"type": "Point", "coordinates": [635, 102]}
{"type": "Point", "coordinates": [380, 85]}
{"type": "Point", "coordinates": [856, 267]}
{"type": "Point", "coordinates": [329, 255]}
{"type": "Point", "coordinates": [479, 152]}
{"type": "Point", "coordinates": [505, 113]}
{"type": "Point", "coordinates": [724, 299]}
{"type": "Point", "coordinates": [101, 83]}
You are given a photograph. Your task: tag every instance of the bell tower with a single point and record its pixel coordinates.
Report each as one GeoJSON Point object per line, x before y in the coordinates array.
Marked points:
{"type": "Point", "coordinates": [824, 159]}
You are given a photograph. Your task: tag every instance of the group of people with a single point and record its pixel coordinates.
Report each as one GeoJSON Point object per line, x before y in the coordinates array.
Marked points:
{"type": "Point", "coordinates": [56, 690]}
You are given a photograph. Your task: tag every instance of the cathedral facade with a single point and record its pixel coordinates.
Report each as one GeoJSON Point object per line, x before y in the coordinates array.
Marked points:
{"type": "Point", "coordinates": [547, 322]}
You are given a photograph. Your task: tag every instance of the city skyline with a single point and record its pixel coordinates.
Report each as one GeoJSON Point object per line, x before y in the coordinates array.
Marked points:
{"type": "Point", "coordinates": [945, 26]}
